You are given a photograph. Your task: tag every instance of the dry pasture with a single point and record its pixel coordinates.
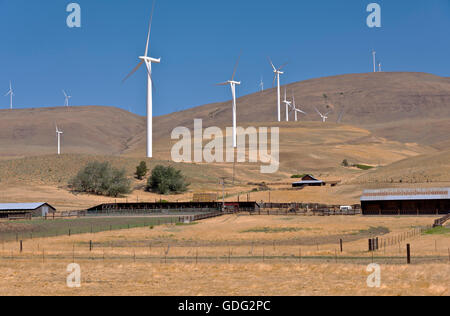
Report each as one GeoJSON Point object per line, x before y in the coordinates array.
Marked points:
{"type": "Point", "coordinates": [235, 255]}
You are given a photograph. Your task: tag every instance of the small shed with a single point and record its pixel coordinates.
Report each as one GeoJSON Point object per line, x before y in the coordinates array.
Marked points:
{"type": "Point", "coordinates": [11, 210]}
{"type": "Point", "coordinates": [308, 180]}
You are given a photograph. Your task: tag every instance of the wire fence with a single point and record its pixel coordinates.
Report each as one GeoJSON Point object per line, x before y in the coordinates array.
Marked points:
{"type": "Point", "coordinates": [41, 228]}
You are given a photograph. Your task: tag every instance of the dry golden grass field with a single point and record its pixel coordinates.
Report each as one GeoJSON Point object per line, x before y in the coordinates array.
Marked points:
{"type": "Point", "coordinates": [236, 255]}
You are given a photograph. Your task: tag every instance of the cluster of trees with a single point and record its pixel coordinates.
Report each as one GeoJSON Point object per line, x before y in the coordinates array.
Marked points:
{"type": "Point", "coordinates": [163, 180]}
{"type": "Point", "coordinates": [167, 180]}
{"type": "Point", "coordinates": [102, 179]}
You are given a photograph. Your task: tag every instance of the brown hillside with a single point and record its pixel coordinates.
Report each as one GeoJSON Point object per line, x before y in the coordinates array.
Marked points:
{"type": "Point", "coordinates": [89, 130]}
{"type": "Point", "coordinates": [405, 107]}
{"type": "Point", "coordinates": [368, 100]}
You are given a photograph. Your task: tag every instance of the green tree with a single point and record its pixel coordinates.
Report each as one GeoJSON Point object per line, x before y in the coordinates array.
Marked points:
{"type": "Point", "coordinates": [166, 180]}
{"type": "Point", "coordinates": [141, 170]}
{"type": "Point", "coordinates": [102, 179]}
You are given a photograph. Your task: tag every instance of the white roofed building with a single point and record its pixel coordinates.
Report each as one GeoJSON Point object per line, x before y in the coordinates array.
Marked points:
{"type": "Point", "coordinates": [11, 210]}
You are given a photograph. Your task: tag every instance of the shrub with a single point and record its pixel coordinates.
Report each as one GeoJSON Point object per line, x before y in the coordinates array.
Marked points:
{"type": "Point", "coordinates": [101, 179]}
{"type": "Point", "coordinates": [363, 167]}
{"type": "Point", "coordinates": [141, 170]}
{"type": "Point", "coordinates": [345, 163]}
{"type": "Point", "coordinates": [166, 180]}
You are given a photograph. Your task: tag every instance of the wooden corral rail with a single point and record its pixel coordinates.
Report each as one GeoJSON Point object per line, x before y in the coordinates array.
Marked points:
{"type": "Point", "coordinates": [441, 221]}
{"type": "Point", "coordinates": [68, 214]}
{"type": "Point", "coordinates": [307, 209]}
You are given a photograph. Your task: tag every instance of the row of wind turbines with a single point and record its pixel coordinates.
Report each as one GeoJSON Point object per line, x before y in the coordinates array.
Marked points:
{"type": "Point", "coordinates": [290, 105]}
{"type": "Point", "coordinates": [148, 61]}
{"type": "Point", "coordinates": [11, 94]}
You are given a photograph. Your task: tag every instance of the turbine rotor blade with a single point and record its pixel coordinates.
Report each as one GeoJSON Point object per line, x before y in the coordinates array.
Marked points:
{"type": "Point", "coordinates": [133, 71]}
{"type": "Point", "coordinates": [271, 63]}
{"type": "Point", "coordinates": [236, 66]}
{"type": "Point", "coordinates": [149, 29]}
{"type": "Point", "coordinates": [318, 112]}
{"type": "Point", "coordinates": [284, 65]}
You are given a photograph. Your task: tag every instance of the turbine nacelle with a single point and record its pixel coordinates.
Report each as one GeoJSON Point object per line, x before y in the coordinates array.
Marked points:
{"type": "Point", "coordinates": [150, 59]}
{"type": "Point", "coordinates": [234, 82]}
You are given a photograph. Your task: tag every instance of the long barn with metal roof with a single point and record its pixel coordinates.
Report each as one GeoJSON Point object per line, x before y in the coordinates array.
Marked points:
{"type": "Point", "coordinates": [10, 210]}
{"type": "Point", "coordinates": [398, 201]}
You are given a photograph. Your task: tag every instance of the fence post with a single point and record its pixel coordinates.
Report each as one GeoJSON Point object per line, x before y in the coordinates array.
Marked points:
{"type": "Point", "coordinates": [341, 244]}
{"type": "Point", "coordinates": [370, 244]}
{"type": "Point", "coordinates": [21, 246]}
{"type": "Point", "coordinates": [90, 245]}
{"type": "Point", "coordinates": [408, 253]}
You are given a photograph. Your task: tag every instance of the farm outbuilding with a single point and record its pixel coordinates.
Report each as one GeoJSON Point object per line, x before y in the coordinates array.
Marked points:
{"type": "Point", "coordinates": [25, 210]}
{"type": "Point", "coordinates": [308, 180]}
{"type": "Point", "coordinates": [425, 201]}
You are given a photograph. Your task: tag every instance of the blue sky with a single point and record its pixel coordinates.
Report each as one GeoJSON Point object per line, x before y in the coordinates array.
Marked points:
{"type": "Point", "coordinates": [199, 42]}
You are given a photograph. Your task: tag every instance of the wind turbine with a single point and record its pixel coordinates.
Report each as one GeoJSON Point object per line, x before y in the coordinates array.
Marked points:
{"type": "Point", "coordinates": [278, 72]}
{"type": "Point", "coordinates": [323, 116]}
{"type": "Point", "coordinates": [58, 134]}
{"type": "Point", "coordinates": [374, 54]}
{"type": "Point", "coordinates": [66, 98]}
{"type": "Point", "coordinates": [233, 85]}
{"type": "Point", "coordinates": [261, 84]}
{"type": "Point", "coordinates": [379, 67]}
{"type": "Point", "coordinates": [288, 104]}
{"type": "Point", "coordinates": [294, 108]}
{"type": "Point", "coordinates": [11, 94]}
{"type": "Point", "coordinates": [148, 63]}
{"type": "Point", "coordinates": [341, 115]}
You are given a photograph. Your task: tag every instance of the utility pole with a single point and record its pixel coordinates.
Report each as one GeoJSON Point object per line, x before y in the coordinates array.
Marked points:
{"type": "Point", "coordinates": [223, 193]}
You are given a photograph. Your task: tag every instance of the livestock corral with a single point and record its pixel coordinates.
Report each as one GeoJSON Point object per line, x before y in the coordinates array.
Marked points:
{"type": "Point", "coordinates": [243, 253]}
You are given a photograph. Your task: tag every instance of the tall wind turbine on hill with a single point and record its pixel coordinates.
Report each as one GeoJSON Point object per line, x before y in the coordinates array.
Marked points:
{"type": "Point", "coordinates": [58, 135]}
{"type": "Point", "coordinates": [323, 116]}
{"type": "Point", "coordinates": [278, 72]}
{"type": "Point", "coordinates": [261, 84]}
{"type": "Point", "coordinates": [288, 104]}
{"type": "Point", "coordinates": [233, 85]}
{"type": "Point", "coordinates": [294, 108]}
{"type": "Point", "coordinates": [66, 98]}
{"type": "Point", "coordinates": [11, 94]}
{"type": "Point", "coordinates": [148, 63]}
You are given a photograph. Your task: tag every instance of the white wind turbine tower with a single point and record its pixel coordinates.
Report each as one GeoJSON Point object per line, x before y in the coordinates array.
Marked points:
{"type": "Point", "coordinates": [379, 67]}
{"type": "Point", "coordinates": [148, 63]}
{"type": "Point", "coordinates": [323, 116]}
{"type": "Point", "coordinates": [288, 104]}
{"type": "Point", "coordinates": [66, 98]}
{"type": "Point", "coordinates": [296, 111]}
{"type": "Point", "coordinates": [58, 135]}
{"type": "Point", "coordinates": [374, 54]}
{"type": "Point", "coordinates": [233, 84]}
{"type": "Point", "coordinates": [11, 94]}
{"type": "Point", "coordinates": [278, 72]}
